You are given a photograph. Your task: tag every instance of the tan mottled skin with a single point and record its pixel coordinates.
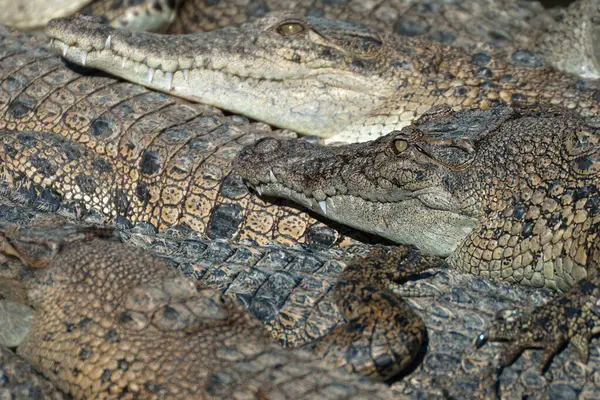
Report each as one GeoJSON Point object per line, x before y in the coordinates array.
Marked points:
{"type": "Point", "coordinates": [117, 152]}
{"type": "Point", "coordinates": [342, 81]}
{"type": "Point", "coordinates": [572, 42]}
{"type": "Point", "coordinates": [111, 321]}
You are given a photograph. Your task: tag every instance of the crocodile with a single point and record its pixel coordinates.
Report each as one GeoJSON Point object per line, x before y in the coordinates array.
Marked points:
{"type": "Point", "coordinates": [508, 194]}
{"type": "Point", "coordinates": [285, 278]}
{"type": "Point", "coordinates": [154, 160]}
{"type": "Point", "coordinates": [28, 194]}
{"type": "Point", "coordinates": [111, 320]}
{"type": "Point", "coordinates": [333, 79]}
{"type": "Point", "coordinates": [505, 25]}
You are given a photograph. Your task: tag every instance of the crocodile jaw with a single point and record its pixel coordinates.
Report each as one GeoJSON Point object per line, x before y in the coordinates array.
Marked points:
{"type": "Point", "coordinates": [408, 221]}
{"type": "Point", "coordinates": [278, 103]}
{"type": "Point", "coordinates": [317, 97]}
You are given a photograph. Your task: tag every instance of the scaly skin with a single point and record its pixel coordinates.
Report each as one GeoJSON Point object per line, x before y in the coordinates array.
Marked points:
{"type": "Point", "coordinates": [145, 15]}
{"type": "Point", "coordinates": [505, 194]}
{"type": "Point", "coordinates": [290, 292]}
{"type": "Point", "coordinates": [112, 321]}
{"type": "Point", "coordinates": [21, 381]}
{"type": "Point", "coordinates": [319, 77]}
{"type": "Point", "coordinates": [115, 152]}
{"type": "Point", "coordinates": [572, 44]}
{"type": "Point", "coordinates": [504, 24]}
{"type": "Point", "coordinates": [115, 142]}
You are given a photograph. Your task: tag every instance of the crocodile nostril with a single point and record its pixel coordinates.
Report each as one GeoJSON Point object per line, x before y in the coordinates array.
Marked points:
{"type": "Point", "coordinates": [266, 145]}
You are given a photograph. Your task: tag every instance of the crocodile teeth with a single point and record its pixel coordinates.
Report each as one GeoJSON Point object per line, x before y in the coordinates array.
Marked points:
{"type": "Point", "coordinates": [65, 50]}
{"type": "Point", "coordinates": [137, 67]}
{"type": "Point", "coordinates": [272, 176]}
{"type": "Point", "coordinates": [323, 205]}
{"type": "Point", "coordinates": [123, 61]}
{"type": "Point", "coordinates": [259, 191]}
{"type": "Point", "coordinates": [186, 74]}
{"type": "Point", "coordinates": [169, 76]}
{"type": "Point", "coordinates": [51, 42]}
{"type": "Point", "coordinates": [150, 74]}
{"type": "Point", "coordinates": [83, 57]}
{"type": "Point", "coordinates": [107, 43]}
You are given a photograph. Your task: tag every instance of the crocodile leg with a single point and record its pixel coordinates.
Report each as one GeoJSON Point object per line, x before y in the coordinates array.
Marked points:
{"type": "Point", "coordinates": [572, 317]}
{"type": "Point", "coordinates": [381, 333]}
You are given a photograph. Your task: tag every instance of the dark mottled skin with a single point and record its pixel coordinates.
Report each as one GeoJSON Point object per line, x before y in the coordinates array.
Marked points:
{"type": "Point", "coordinates": [501, 23]}
{"type": "Point", "coordinates": [529, 178]}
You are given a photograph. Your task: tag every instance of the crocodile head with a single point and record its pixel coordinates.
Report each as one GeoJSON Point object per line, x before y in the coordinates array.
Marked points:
{"type": "Point", "coordinates": [310, 75]}
{"type": "Point", "coordinates": [415, 186]}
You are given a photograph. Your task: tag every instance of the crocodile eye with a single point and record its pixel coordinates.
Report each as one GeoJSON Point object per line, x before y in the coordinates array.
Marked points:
{"type": "Point", "coordinates": [399, 146]}
{"type": "Point", "coordinates": [290, 28]}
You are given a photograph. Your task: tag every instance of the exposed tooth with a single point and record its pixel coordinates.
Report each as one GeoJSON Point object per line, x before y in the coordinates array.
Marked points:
{"type": "Point", "coordinates": [259, 190]}
{"type": "Point", "coordinates": [272, 176]}
{"type": "Point", "coordinates": [123, 61]}
{"type": "Point", "coordinates": [83, 57]}
{"type": "Point", "coordinates": [51, 42]}
{"type": "Point", "coordinates": [323, 205]}
{"type": "Point", "coordinates": [65, 50]}
{"type": "Point", "coordinates": [150, 74]}
{"type": "Point", "coordinates": [169, 76]}
{"type": "Point", "coordinates": [137, 67]}
{"type": "Point", "coordinates": [186, 74]}
{"type": "Point", "coordinates": [107, 44]}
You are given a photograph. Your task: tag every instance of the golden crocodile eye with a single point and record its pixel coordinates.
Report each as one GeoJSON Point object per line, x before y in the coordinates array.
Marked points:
{"type": "Point", "coordinates": [290, 28]}
{"type": "Point", "coordinates": [400, 146]}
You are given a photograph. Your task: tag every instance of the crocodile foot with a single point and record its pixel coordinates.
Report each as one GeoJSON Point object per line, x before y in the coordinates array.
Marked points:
{"type": "Point", "coordinates": [382, 334]}
{"type": "Point", "coordinates": [574, 317]}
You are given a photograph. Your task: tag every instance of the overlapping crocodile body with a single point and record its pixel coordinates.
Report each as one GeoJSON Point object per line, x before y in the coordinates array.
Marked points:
{"type": "Point", "coordinates": [113, 151]}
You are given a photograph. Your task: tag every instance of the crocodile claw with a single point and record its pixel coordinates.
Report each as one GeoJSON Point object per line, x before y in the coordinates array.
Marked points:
{"type": "Point", "coordinates": [574, 317]}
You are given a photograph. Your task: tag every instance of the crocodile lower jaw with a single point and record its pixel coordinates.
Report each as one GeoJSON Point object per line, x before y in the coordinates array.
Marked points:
{"type": "Point", "coordinates": [407, 221]}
